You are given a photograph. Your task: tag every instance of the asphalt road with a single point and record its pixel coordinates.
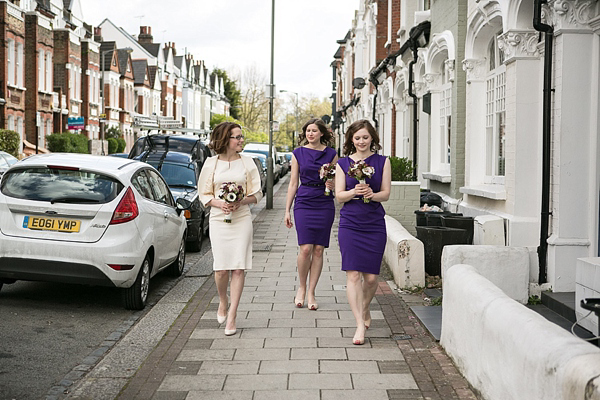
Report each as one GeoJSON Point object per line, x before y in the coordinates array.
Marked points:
{"type": "Point", "coordinates": [48, 329]}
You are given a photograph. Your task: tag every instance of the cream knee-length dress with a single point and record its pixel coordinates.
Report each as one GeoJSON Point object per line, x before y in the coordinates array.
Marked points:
{"type": "Point", "coordinates": [231, 243]}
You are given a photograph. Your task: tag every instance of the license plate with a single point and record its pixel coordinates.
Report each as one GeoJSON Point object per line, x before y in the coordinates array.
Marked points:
{"type": "Point", "coordinates": [51, 224]}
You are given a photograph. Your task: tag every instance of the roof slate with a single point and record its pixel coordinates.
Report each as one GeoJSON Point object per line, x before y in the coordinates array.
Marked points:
{"type": "Point", "coordinates": [139, 71]}
{"type": "Point", "coordinates": [152, 48]}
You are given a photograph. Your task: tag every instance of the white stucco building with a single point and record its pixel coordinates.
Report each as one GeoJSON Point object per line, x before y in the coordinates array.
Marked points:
{"type": "Point", "coordinates": [478, 80]}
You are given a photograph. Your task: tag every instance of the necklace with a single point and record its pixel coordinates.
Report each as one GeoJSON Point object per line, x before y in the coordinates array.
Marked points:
{"type": "Point", "coordinates": [314, 148]}
{"type": "Point", "coordinates": [360, 157]}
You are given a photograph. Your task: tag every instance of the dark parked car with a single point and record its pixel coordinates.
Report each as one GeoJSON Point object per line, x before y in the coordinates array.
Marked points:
{"type": "Point", "coordinates": [285, 164]}
{"type": "Point", "coordinates": [121, 155]}
{"type": "Point", "coordinates": [179, 159]}
{"type": "Point", "coordinates": [261, 164]}
{"type": "Point", "coordinates": [189, 144]}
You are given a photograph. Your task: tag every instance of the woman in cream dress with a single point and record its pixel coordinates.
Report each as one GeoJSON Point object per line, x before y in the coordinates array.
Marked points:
{"type": "Point", "coordinates": [231, 242]}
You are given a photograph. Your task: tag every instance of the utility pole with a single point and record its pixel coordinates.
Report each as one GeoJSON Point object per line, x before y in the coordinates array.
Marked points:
{"type": "Point", "coordinates": [269, 204]}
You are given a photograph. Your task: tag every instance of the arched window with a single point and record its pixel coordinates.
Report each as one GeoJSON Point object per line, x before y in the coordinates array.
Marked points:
{"type": "Point", "coordinates": [495, 118]}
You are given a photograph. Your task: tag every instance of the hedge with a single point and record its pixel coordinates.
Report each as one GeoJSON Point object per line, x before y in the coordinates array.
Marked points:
{"type": "Point", "coordinates": [402, 169]}
{"type": "Point", "coordinates": [67, 142]}
{"type": "Point", "coordinates": [113, 145]}
{"type": "Point", "coordinates": [10, 142]}
{"type": "Point", "coordinates": [122, 145]}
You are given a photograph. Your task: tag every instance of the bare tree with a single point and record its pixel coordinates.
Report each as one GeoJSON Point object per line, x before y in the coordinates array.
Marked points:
{"type": "Point", "coordinates": [255, 103]}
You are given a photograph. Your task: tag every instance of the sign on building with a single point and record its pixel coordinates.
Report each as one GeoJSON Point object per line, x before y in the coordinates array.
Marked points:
{"type": "Point", "coordinates": [75, 123]}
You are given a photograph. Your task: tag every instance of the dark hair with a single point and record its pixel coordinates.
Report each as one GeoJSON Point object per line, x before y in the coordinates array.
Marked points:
{"type": "Point", "coordinates": [325, 139]}
{"type": "Point", "coordinates": [355, 127]}
{"type": "Point", "coordinates": [219, 138]}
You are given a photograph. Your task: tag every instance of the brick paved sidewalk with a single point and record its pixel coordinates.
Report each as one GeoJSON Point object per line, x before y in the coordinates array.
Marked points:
{"type": "Point", "coordinates": [281, 352]}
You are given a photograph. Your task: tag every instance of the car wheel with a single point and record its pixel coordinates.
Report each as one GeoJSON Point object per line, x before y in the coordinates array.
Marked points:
{"type": "Point", "coordinates": [196, 245]}
{"type": "Point", "coordinates": [176, 269]}
{"type": "Point", "coordinates": [135, 297]}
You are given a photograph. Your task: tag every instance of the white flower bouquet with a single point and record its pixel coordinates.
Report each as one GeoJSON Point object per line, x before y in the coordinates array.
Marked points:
{"type": "Point", "coordinates": [230, 192]}
{"type": "Point", "coordinates": [327, 172]}
{"type": "Point", "coordinates": [360, 171]}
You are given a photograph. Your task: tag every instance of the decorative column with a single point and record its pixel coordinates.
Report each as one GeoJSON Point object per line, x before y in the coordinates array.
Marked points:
{"type": "Point", "coordinates": [523, 99]}
{"type": "Point", "coordinates": [475, 118]}
{"type": "Point", "coordinates": [574, 192]}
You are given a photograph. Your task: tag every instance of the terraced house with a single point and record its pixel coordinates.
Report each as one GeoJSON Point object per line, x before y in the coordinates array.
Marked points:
{"type": "Point", "coordinates": [59, 74]}
{"type": "Point", "coordinates": [496, 101]}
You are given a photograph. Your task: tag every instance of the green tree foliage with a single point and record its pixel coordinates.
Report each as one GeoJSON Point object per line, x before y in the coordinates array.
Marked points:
{"type": "Point", "coordinates": [232, 92]}
{"type": "Point", "coordinates": [9, 142]}
{"type": "Point", "coordinates": [216, 119]}
{"type": "Point", "coordinates": [113, 145]}
{"type": "Point", "coordinates": [122, 145]}
{"type": "Point", "coordinates": [67, 142]}
{"type": "Point", "coordinates": [402, 169]}
{"type": "Point", "coordinates": [256, 137]}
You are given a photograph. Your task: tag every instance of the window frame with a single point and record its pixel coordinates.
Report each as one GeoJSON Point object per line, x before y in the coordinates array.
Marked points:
{"type": "Point", "coordinates": [495, 115]}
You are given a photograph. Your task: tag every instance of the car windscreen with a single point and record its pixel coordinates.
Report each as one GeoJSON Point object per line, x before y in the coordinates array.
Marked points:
{"type": "Point", "coordinates": [177, 174]}
{"type": "Point", "coordinates": [60, 185]}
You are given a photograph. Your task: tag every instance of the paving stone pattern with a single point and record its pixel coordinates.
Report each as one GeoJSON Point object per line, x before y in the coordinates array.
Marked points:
{"type": "Point", "coordinates": [282, 352]}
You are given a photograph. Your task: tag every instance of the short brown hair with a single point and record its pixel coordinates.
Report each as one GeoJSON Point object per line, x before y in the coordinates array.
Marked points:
{"type": "Point", "coordinates": [219, 138]}
{"type": "Point", "coordinates": [355, 127]}
{"type": "Point", "coordinates": [325, 139]}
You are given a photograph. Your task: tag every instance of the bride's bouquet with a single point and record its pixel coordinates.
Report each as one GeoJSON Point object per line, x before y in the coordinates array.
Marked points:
{"type": "Point", "coordinates": [326, 172]}
{"type": "Point", "coordinates": [230, 192]}
{"type": "Point", "coordinates": [360, 171]}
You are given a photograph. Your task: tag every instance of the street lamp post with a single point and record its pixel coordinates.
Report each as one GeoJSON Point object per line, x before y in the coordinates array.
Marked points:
{"type": "Point", "coordinates": [269, 204]}
{"type": "Point", "coordinates": [295, 113]}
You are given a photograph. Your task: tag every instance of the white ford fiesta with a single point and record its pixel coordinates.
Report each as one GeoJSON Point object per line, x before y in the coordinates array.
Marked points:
{"type": "Point", "coordinates": [78, 218]}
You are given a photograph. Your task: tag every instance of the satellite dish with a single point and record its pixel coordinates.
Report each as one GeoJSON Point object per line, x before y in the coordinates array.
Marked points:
{"type": "Point", "coordinates": [358, 83]}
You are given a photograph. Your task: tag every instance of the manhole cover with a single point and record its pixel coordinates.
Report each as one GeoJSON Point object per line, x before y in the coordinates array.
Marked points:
{"type": "Point", "coordinates": [401, 337]}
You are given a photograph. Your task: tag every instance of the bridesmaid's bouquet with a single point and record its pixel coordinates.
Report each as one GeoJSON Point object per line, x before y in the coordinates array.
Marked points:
{"type": "Point", "coordinates": [360, 171]}
{"type": "Point", "coordinates": [326, 172]}
{"type": "Point", "coordinates": [230, 192]}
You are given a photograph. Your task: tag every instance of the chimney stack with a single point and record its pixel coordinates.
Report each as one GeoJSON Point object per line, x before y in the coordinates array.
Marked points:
{"type": "Point", "coordinates": [145, 35]}
{"type": "Point", "coordinates": [98, 34]}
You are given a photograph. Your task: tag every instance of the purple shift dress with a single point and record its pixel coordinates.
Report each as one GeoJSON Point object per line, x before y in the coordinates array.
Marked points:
{"type": "Point", "coordinates": [313, 211]}
{"type": "Point", "coordinates": [362, 235]}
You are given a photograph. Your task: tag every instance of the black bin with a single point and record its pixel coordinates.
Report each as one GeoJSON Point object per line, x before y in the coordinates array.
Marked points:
{"type": "Point", "coordinates": [459, 222]}
{"type": "Point", "coordinates": [432, 218]}
{"type": "Point", "coordinates": [434, 239]}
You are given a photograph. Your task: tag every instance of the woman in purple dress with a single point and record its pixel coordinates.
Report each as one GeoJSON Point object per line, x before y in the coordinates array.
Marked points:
{"type": "Point", "coordinates": [362, 235]}
{"type": "Point", "coordinates": [313, 209]}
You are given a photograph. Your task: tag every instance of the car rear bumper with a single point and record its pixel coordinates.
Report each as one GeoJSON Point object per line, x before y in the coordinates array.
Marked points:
{"type": "Point", "coordinates": [32, 269]}
{"type": "Point", "coordinates": [71, 262]}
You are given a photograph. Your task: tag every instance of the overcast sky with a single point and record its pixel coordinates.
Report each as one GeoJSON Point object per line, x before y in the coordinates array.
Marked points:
{"type": "Point", "coordinates": [237, 33]}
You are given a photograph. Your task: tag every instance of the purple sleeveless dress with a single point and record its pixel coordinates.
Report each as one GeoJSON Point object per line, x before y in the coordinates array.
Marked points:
{"type": "Point", "coordinates": [313, 211]}
{"type": "Point", "coordinates": [362, 235]}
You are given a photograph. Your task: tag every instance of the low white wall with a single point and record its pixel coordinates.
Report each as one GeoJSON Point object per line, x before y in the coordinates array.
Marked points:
{"type": "Point", "coordinates": [404, 255]}
{"type": "Point", "coordinates": [507, 351]}
{"type": "Point", "coordinates": [505, 267]}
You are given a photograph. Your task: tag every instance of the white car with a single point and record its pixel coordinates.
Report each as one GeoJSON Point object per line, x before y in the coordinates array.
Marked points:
{"type": "Point", "coordinates": [78, 218]}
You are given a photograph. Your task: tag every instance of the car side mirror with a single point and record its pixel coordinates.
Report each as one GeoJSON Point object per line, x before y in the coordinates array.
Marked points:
{"type": "Point", "coordinates": [182, 204]}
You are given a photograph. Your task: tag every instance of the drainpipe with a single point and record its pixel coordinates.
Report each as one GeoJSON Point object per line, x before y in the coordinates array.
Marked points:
{"type": "Point", "coordinates": [546, 136]}
{"type": "Point", "coordinates": [375, 82]}
{"type": "Point", "coordinates": [411, 93]}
